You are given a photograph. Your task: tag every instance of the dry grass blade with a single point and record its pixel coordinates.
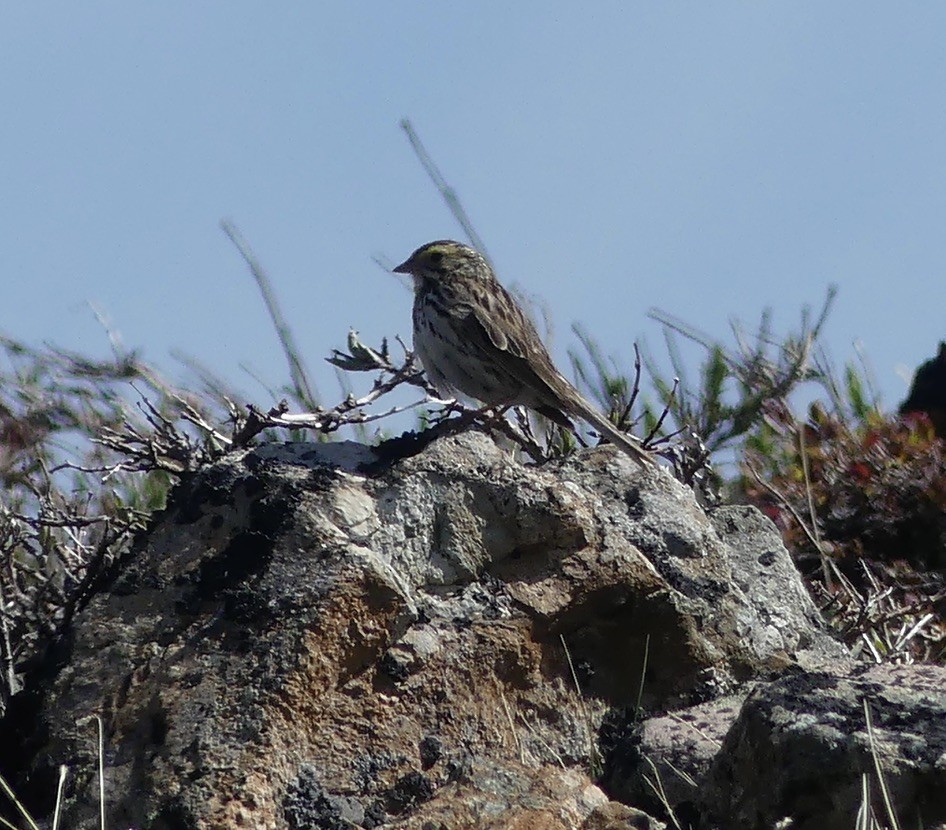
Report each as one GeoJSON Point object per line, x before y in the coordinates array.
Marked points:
{"type": "Point", "coordinates": [656, 785]}
{"type": "Point", "coordinates": [448, 193]}
{"type": "Point", "coordinates": [8, 791]}
{"type": "Point", "coordinates": [881, 780]}
{"type": "Point", "coordinates": [512, 726]}
{"type": "Point", "coordinates": [640, 687]}
{"type": "Point", "coordinates": [57, 814]}
{"type": "Point", "coordinates": [594, 758]}
{"type": "Point", "coordinates": [304, 389]}
{"type": "Point", "coordinates": [865, 813]}
{"type": "Point", "coordinates": [101, 728]}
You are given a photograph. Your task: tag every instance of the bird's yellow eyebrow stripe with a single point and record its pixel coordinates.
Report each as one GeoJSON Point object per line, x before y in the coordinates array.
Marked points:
{"type": "Point", "coordinates": [438, 249]}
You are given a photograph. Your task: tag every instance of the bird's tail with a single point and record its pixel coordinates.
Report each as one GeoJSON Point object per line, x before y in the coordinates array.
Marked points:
{"type": "Point", "coordinates": [626, 442]}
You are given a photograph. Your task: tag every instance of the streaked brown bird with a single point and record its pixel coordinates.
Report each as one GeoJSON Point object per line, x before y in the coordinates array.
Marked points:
{"type": "Point", "coordinates": [473, 338]}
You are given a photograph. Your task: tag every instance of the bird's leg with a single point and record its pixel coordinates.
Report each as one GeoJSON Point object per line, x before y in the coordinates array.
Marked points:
{"type": "Point", "coordinates": [449, 408]}
{"type": "Point", "coordinates": [487, 414]}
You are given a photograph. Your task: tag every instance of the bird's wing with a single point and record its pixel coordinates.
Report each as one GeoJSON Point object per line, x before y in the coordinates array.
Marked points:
{"type": "Point", "coordinates": [494, 331]}
{"type": "Point", "coordinates": [525, 359]}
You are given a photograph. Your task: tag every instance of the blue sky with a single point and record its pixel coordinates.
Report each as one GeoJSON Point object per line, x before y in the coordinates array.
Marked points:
{"type": "Point", "coordinates": [708, 160]}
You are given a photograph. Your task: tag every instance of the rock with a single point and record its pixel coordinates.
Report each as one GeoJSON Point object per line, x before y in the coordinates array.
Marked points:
{"type": "Point", "coordinates": [318, 635]}
{"type": "Point", "coordinates": [666, 759]}
{"type": "Point", "coordinates": [800, 751]}
{"type": "Point", "coordinates": [783, 618]}
{"type": "Point", "coordinates": [617, 816]}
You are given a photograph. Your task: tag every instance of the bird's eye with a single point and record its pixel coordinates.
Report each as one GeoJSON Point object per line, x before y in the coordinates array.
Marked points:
{"type": "Point", "coordinates": [434, 258]}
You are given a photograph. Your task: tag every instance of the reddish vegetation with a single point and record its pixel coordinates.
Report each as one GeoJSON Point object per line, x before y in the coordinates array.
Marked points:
{"type": "Point", "coordinates": [867, 526]}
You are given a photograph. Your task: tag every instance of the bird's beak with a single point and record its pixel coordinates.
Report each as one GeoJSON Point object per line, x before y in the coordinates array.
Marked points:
{"type": "Point", "coordinates": [404, 267]}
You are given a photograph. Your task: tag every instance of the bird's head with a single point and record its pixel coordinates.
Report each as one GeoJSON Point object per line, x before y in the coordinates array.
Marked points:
{"type": "Point", "coordinates": [444, 260]}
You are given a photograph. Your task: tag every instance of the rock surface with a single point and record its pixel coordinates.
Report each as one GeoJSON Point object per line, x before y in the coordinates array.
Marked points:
{"type": "Point", "coordinates": [319, 636]}
{"type": "Point", "coordinates": [800, 750]}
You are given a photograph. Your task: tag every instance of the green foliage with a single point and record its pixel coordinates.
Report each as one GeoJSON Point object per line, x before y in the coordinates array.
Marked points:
{"type": "Point", "coordinates": [736, 385]}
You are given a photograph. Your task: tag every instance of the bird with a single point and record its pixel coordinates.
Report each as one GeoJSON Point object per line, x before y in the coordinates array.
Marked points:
{"type": "Point", "coordinates": [473, 338]}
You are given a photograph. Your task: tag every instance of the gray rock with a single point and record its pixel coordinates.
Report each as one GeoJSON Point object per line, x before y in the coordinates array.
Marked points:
{"type": "Point", "coordinates": [800, 751]}
{"type": "Point", "coordinates": [674, 754]}
{"type": "Point", "coordinates": [319, 608]}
